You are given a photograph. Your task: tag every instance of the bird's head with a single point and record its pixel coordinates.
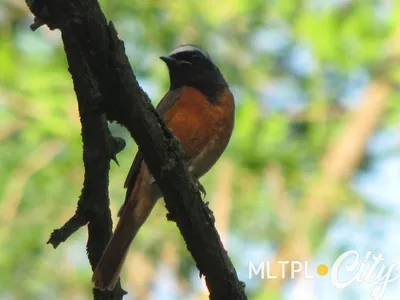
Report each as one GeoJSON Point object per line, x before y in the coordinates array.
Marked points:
{"type": "Point", "coordinates": [192, 66]}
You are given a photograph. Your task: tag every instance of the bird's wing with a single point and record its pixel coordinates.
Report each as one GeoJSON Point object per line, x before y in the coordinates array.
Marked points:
{"type": "Point", "coordinates": [163, 106]}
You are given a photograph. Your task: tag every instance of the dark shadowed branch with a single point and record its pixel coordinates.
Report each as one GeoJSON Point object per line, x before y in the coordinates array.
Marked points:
{"type": "Point", "coordinates": [106, 87]}
{"type": "Point", "coordinates": [99, 147]}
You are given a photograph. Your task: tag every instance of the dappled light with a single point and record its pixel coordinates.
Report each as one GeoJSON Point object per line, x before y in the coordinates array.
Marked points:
{"type": "Point", "coordinates": [312, 169]}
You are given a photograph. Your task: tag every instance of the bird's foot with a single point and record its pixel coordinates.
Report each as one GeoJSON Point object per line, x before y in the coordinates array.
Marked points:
{"type": "Point", "coordinates": [200, 188]}
{"type": "Point", "coordinates": [209, 212]}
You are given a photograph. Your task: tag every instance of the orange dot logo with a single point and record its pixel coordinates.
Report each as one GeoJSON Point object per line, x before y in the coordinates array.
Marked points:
{"type": "Point", "coordinates": [322, 270]}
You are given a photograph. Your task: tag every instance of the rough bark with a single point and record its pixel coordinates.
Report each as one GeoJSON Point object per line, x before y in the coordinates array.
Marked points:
{"type": "Point", "coordinates": [106, 87]}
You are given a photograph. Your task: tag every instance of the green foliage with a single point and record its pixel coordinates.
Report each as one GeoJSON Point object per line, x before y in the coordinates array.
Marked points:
{"type": "Point", "coordinates": [260, 46]}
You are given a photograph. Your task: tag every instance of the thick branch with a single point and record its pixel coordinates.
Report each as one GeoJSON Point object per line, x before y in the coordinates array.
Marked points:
{"type": "Point", "coordinates": [98, 149]}
{"type": "Point", "coordinates": [85, 30]}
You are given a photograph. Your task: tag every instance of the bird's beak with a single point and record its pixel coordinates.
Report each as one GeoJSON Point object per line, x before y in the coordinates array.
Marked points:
{"type": "Point", "coordinates": [168, 60]}
{"type": "Point", "coordinates": [173, 61]}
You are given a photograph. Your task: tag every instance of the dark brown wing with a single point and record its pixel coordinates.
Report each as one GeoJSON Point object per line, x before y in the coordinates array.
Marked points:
{"type": "Point", "coordinates": [168, 101]}
{"type": "Point", "coordinates": [163, 106]}
{"type": "Point", "coordinates": [131, 178]}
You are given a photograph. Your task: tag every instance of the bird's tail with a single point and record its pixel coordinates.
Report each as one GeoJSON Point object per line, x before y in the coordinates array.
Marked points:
{"type": "Point", "coordinates": [135, 213]}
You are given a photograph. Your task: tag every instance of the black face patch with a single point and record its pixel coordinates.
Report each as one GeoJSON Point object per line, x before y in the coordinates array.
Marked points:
{"type": "Point", "coordinates": [193, 67]}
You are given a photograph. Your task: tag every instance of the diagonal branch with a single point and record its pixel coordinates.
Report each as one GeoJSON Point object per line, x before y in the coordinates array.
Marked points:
{"type": "Point", "coordinates": [92, 44]}
{"type": "Point", "coordinates": [93, 205]}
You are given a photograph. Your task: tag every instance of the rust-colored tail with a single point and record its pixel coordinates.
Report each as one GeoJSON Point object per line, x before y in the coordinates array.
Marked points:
{"type": "Point", "coordinates": [134, 214]}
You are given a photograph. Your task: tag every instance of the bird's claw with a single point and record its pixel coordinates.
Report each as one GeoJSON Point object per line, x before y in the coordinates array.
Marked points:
{"type": "Point", "coordinates": [200, 188]}
{"type": "Point", "coordinates": [203, 193]}
{"type": "Point", "coordinates": [209, 212]}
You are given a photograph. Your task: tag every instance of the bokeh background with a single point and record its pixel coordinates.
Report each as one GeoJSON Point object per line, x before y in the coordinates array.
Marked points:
{"type": "Point", "coordinates": [312, 170]}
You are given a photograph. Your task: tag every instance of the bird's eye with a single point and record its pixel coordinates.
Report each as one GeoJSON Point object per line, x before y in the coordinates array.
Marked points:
{"type": "Point", "coordinates": [196, 56]}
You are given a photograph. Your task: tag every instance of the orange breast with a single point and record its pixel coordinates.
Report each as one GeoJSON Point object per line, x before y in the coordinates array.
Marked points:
{"type": "Point", "coordinates": [195, 121]}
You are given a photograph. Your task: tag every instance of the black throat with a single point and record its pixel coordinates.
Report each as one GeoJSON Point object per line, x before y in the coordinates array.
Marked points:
{"type": "Point", "coordinates": [209, 82]}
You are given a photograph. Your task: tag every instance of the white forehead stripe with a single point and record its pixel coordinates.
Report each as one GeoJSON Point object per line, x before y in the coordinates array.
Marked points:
{"type": "Point", "coordinates": [188, 48]}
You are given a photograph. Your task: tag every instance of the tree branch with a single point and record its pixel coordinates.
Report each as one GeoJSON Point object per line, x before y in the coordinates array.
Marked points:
{"type": "Point", "coordinates": [92, 44]}
{"type": "Point", "coordinates": [93, 205]}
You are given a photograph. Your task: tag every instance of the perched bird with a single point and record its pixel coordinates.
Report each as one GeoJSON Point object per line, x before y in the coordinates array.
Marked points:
{"type": "Point", "coordinates": [199, 109]}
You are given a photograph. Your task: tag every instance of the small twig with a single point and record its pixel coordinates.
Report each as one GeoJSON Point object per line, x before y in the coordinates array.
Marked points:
{"type": "Point", "coordinates": [59, 236]}
{"type": "Point", "coordinates": [115, 145]}
{"type": "Point", "coordinates": [36, 24]}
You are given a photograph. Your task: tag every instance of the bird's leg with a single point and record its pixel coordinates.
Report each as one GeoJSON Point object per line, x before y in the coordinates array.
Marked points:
{"type": "Point", "coordinates": [203, 193]}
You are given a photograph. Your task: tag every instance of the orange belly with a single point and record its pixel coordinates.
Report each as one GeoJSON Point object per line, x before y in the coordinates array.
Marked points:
{"type": "Point", "coordinates": [203, 128]}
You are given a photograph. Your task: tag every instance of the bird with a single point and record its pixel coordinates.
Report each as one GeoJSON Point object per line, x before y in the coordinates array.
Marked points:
{"type": "Point", "coordinates": [199, 109]}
